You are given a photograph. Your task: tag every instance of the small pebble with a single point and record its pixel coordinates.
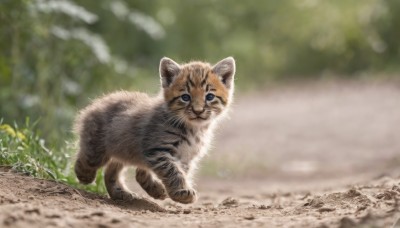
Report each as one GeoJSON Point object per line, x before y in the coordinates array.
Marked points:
{"type": "Point", "coordinates": [33, 211]}
{"type": "Point", "coordinates": [326, 209]}
{"type": "Point", "coordinates": [249, 217]}
{"type": "Point", "coordinates": [98, 213]}
{"type": "Point", "coordinates": [229, 202]}
{"type": "Point", "coordinates": [114, 220]}
{"type": "Point", "coordinates": [53, 216]}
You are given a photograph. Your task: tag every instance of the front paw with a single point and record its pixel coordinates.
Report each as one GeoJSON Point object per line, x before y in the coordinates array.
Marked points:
{"type": "Point", "coordinates": [184, 196]}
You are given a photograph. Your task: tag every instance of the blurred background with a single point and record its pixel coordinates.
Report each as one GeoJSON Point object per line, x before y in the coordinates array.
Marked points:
{"type": "Point", "coordinates": [318, 89]}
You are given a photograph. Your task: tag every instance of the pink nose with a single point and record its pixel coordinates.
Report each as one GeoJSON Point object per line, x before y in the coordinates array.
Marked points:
{"type": "Point", "coordinates": [198, 111]}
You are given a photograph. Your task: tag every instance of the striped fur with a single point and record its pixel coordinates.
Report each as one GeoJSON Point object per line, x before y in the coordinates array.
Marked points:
{"type": "Point", "coordinates": [163, 136]}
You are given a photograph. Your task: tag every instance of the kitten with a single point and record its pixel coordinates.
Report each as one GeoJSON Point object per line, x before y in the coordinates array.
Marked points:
{"type": "Point", "coordinates": [163, 136]}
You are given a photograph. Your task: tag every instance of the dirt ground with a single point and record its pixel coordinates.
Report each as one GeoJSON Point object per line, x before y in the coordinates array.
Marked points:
{"type": "Point", "coordinates": [315, 155]}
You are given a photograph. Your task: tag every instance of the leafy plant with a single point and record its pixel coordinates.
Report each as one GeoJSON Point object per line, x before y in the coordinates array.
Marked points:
{"type": "Point", "coordinates": [22, 150]}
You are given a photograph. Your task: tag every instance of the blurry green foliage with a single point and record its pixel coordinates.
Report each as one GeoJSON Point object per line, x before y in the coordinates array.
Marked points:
{"type": "Point", "coordinates": [55, 54]}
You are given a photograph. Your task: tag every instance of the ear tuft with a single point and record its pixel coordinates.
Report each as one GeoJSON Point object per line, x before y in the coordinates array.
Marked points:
{"type": "Point", "coordinates": [225, 69]}
{"type": "Point", "coordinates": [169, 69]}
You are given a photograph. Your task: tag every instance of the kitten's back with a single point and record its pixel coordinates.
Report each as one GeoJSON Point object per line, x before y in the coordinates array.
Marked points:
{"type": "Point", "coordinates": [103, 109]}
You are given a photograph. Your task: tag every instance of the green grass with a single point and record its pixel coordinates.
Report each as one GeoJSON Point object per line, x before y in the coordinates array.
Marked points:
{"type": "Point", "coordinates": [23, 150]}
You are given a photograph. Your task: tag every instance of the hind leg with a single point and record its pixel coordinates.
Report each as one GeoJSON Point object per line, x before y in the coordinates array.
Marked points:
{"type": "Point", "coordinates": [92, 152]}
{"type": "Point", "coordinates": [87, 164]}
{"type": "Point", "coordinates": [152, 186]}
{"type": "Point", "coordinates": [115, 187]}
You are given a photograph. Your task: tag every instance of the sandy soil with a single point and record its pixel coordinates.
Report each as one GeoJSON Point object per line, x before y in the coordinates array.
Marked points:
{"type": "Point", "coordinates": [294, 156]}
{"type": "Point", "coordinates": [30, 202]}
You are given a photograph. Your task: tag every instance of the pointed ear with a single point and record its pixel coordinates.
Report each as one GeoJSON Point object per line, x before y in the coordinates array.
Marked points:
{"type": "Point", "coordinates": [225, 69]}
{"type": "Point", "coordinates": [168, 70]}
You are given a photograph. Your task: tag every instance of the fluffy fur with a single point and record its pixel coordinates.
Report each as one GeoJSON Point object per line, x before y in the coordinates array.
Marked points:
{"type": "Point", "coordinates": [163, 136]}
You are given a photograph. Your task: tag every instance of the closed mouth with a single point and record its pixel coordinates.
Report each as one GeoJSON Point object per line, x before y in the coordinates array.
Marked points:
{"type": "Point", "coordinates": [198, 118]}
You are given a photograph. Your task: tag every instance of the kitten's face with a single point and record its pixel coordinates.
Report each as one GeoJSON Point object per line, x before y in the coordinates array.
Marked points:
{"type": "Point", "coordinates": [196, 92]}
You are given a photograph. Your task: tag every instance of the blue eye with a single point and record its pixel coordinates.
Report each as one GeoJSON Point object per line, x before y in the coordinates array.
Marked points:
{"type": "Point", "coordinates": [210, 97]}
{"type": "Point", "coordinates": [185, 97]}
